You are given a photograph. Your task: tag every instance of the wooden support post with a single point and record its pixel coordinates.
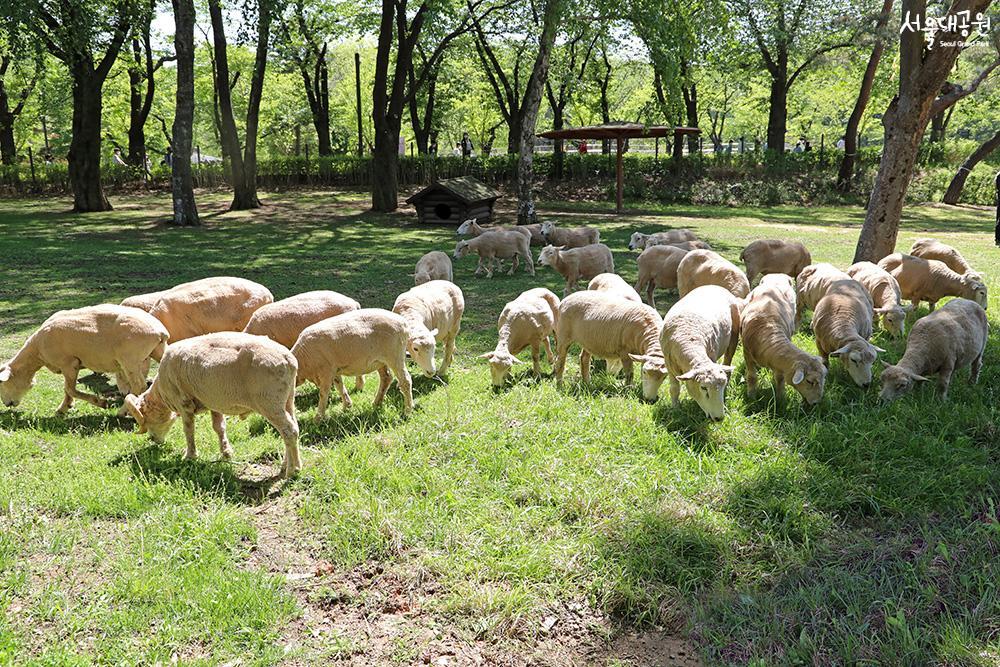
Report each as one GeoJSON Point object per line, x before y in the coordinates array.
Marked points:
{"type": "Point", "coordinates": [620, 178]}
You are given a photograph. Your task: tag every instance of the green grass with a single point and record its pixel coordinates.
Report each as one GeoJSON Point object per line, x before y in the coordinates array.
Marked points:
{"type": "Point", "coordinates": [850, 533]}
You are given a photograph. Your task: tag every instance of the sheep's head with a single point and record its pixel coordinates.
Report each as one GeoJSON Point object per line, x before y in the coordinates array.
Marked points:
{"type": "Point", "coordinates": [975, 289]}
{"type": "Point", "coordinates": [858, 357]}
{"type": "Point", "coordinates": [547, 227]}
{"type": "Point", "coordinates": [465, 227]}
{"type": "Point", "coordinates": [897, 381]}
{"type": "Point", "coordinates": [894, 319]}
{"type": "Point", "coordinates": [501, 361]}
{"type": "Point", "coordinates": [654, 372]}
{"type": "Point", "coordinates": [421, 277]}
{"type": "Point", "coordinates": [638, 241]}
{"type": "Point", "coordinates": [809, 378]}
{"type": "Point", "coordinates": [550, 254]}
{"type": "Point", "coordinates": [707, 386]}
{"type": "Point", "coordinates": [461, 249]}
{"type": "Point", "coordinates": [421, 347]}
{"type": "Point", "coordinates": [13, 386]}
{"type": "Point", "coordinates": [151, 415]}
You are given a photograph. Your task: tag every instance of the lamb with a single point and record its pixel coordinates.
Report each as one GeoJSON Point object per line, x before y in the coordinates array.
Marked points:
{"type": "Point", "coordinates": [658, 269]}
{"type": "Point", "coordinates": [608, 328]}
{"type": "Point", "coordinates": [111, 339]}
{"type": "Point", "coordinates": [944, 341]}
{"type": "Point", "coordinates": [227, 373]}
{"type": "Point", "coordinates": [497, 245]}
{"type": "Point", "coordinates": [472, 228]}
{"type": "Point", "coordinates": [526, 321]}
{"type": "Point", "coordinates": [355, 343]}
{"type": "Point", "coordinates": [842, 323]}
{"type": "Point", "coordinates": [885, 294]}
{"type": "Point", "coordinates": [574, 237]}
{"type": "Point", "coordinates": [930, 280]}
{"type": "Point", "coordinates": [433, 312]}
{"type": "Point", "coordinates": [578, 263]}
{"type": "Point", "coordinates": [435, 265]}
{"type": "Point", "coordinates": [640, 241]}
{"type": "Point", "coordinates": [704, 267]}
{"type": "Point", "coordinates": [932, 249]}
{"type": "Point", "coordinates": [697, 331]}
{"type": "Point", "coordinates": [205, 306]}
{"type": "Point", "coordinates": [812, 285]}
{"type": "Point", "coordinates": [767, 324]}
{"type": "Point", "coordinates": [612, 283]}
{"type": "Point", "coordinates": [775, 256]}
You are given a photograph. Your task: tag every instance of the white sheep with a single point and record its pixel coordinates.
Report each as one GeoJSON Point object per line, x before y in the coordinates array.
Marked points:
{"type": "Point", "coordinates": [527, 321]}
{"type": "Point", "coordinates": [658, 269]}
{"type": "Point", "coordinates": [952, 258]}
{"type": "Point", "coordinates": [575, 264]}
{"type": "Point", "coordinates": [640, 241]}
{"type": "Point", "coordinates": [886, 296]}
{"type": "Point", "coordinates": [229, 373]}
{"type": "Point", "coordinates": [433, 312]}
{"type": "Point", "coordinates": [842, 322]}
{"type": "Point", "coordinates": [948, 339]}
{"type": "Point", "coordinates": [704, 267]}
{"type": "Point", "coordinates": [612, 283]}
{"type": "Point", "coordinates": [435, 265]}
{"type": "Point", "coordinates": [497, 245]}
{"type": "Point", "coordinates": [775, 256]}
{"type": "Point", "coordinates": [812, 285]}
{"type": "Point", "coordinates": [571, 237]}
{"type": "Point", "coordinates": [685, 245]}
{"type": "Point", "coordinates": [472, 228]}
{"type": "Point", "coordinates": [930, 280]}
{"type": "Point", "coordinates": [697, 331]}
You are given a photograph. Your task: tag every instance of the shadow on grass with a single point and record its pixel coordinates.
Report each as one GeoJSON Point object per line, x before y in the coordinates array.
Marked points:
{"type": "Point", "coordinates": [84, 425]}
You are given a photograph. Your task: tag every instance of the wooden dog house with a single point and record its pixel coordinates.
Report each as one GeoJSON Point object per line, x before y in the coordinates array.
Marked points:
{"type": "Point", "coordinates": [452, 201]}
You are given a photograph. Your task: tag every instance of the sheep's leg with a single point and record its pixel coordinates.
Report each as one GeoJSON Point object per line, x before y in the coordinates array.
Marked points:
{"type": "Point", "coordinates": [187, 418]}
{"type": "Point", "coordinates": [548, 351]}
{"type": "Point", "coordinates": [530, 261]}
{"type": "Point", "coordinates": [69, 387]}
{"type": "Point", "coordinates": [932, 305]}
{"type": "Point", "coordinates": [324, 398]}
{"type": "Point", "coordinates": [338, 382]}
{"type": "Point", "coordinates": [944, 379]}
{"type": "Point", "coordinates": [359, 383]}
{"type": "Point", "coordinates": [627, 369]}
{"type": "Point", "coordinates": [751, 377]}
{"type": "Point", "coordinates": [288, 427]}
{"type": "Point", "coordinates": [914, 305]}
{"type": "Point", "coordinates": [449, 354]}
{"type": "Point", "coordinates": [675, 391]}
{"type": "Point", "coordinates": [489, 267]}
{"type": "Point", "coordinates": [650, 295]}
{"type": "Point", "coordinates": [384, 380]}
{"type": "Point", "coordinates": [779, 388]}
{"type": "Point", "coordinates": [561, 352]}
{"type": "Point", "coordinates": [479, 266]}
{"type": "Point", "coordinates": [977, 364]}
{"type": "Point", "coordinates": [219, 426]}
{"type": "Point", "coordinates": [585, 366]}
{"type": "Point", "coordinates": [514, 264]}
{"type": "Point", "coordinates": [536, 354]}
{"type": "Point", "coordinates": [405, 387]}
{"type": "Point", "coordinates": [130, 381]}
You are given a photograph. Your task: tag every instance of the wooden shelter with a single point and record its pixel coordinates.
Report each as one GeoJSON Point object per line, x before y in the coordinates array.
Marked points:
{"type": "Point", "coordinates": [454, 200]}
{"type": "Point", "coordinates": [619, 132]}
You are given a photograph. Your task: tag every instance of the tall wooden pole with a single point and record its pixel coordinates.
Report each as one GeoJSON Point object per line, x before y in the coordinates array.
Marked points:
{"type": "Point", "coordinates": [620, 176]}
{"type": "Point", "coordinates": [357, 92]}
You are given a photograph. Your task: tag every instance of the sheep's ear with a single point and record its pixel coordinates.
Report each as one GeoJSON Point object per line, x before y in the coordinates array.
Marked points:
{"type": "Point", "coordinates": [560, 247]}
{"type": "Point", "coordinates": [799, 376]}
{"type": "Point", "coordinates": [907, 308]}
{"type": "Point", "coordinates": [4, 373]}
{"type": "Point", "coordinates": [885, 363]}
{"type": "Point", "coordinates": [837, 353]}
{"type": "Point", "coordinates": [919, 378]}
{"type": "Point", "coordinates": [728, 369]}
{"type": "Point", "coordinates": [488, 355]}
{"type": "Point", "coordinates": [518, 361]}
{"type": "Point", "coordinates": [132, 406]}
{"type": "Point", "coordinates": [433, 332]}
{"type": "Point", "coordinates": [878, 349]}
{"type": "Point", "coordinates": [641, 358]}
{"type": "Point", "coordinates": [687, 376]}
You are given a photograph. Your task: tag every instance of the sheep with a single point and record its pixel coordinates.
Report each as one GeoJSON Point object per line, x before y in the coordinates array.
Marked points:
{"type": "Point", "coordinates": [929, 280]}
{"type": "Point", "coordinates": [205, 306]}
{"type": "Point", "coordinates": [944, 341]}
{"type": "Point", "coordinates": [704, 267]}
{"type": "Point", "coordinates": [775, 256]}
{"type": "Point", "coordinates": [767, 324]}
{"type": "Point", "coordinates": [497, 245]}
{"type": "Point", "coordinates": [684, 245]}
{"type": "Point", "coordinates": [812, 285]}
{"type": "Point", "coordinates": [612, 283]}
{"type": "Point", "coordinates": [640, 241]}
{"type": "Point", "coordinates": [658, 269]}
{"type": "Point", "coordinates": [227, 373]}
{"type": "Point", "coordinates": [697, 331]}
{"type": "Point", "coordinates": [609, 328]}
{"type": "Point", "coordinates": [355, 343]}
{"type": "Point", "coordinates": [842, 323]}
{"type": "Point", "coordinates": [526, 321]}
{"type": "Point", "coordinates": [433, 312]}
{"type": "Point", "coordinates": [885, 294]}
{"type": "Point", "coordinates": [472, 228]}
{"type": "Point", "coordinates": [932, 249]}
{"type": "Point", "coordinates": [577, 263]}
{"type": "Point", "coordinates": [111, 339]}
{"type": "Point", "coordinates": [574, 237]}
{"type": "Point", "coordinates": [435, 265]}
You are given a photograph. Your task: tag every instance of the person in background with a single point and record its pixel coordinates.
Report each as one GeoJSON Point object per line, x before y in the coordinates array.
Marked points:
{"type": "Point", "coordinates": [582, 147]}
{"type": "Point", "coordinates": [117, 157]}
{"type": "Point", "coordinates": [806, 146]}
{"type": "Point", "coordinates": [466, 145]}
{"type": "Point", "coordinates": [798, 147]}
{"type": "Point", "coordinates": [841, 143]}
{"type": "Point", "coordinates": [168, 157]}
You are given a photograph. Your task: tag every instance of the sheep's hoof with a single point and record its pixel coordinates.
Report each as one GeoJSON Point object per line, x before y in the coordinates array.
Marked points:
{"type": "Point", "coordinates": [226, 454]}
{"type": "Point", "coordinates": [190, 456]}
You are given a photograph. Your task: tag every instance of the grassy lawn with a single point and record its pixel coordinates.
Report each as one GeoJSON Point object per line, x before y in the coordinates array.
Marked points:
{"type": "Point", "coordinates": [521, 526]}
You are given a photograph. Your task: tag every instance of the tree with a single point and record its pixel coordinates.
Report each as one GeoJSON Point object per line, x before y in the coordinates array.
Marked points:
{"type": "Point", "coordinates": [957, 184]}
{"type": "Point", "coordinates": [8, 113]}
{"type": "Point", "coordinates": [142, 85]}
{"type": "Point", "coordinates": [182, 186]}
{"type": "Point", "coordinates": [923, 69]}
{"type": "Point", "coordinates": [577, 50]}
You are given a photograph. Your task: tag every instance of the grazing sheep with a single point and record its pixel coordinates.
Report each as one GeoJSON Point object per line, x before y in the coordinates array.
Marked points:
{"type": "Point", "coordinates": [228, 373]}
{"type": "Point", "coordinates": [434, 265]}
{"type": "Point", "coordinates": [283, 321]}
{"type": "Point", "coordinates": [497, 245]}
{"type": "Point", "coordinates": [433, 312]}
{"type": "Point", "coordinates": [842, 323]}
{"type": "Point", "coordinates": [697, 331]}
{"type": "Point", "coordinates": [526, 321]}
{"type": "Point", "coordinates": [944, 341]}
{"type": "Point", "coordinates": [609, 328]}
{"type": "Point", "coordinates": [767, 324]}
{"type": "Point", "coordinates": [578, 263]}
{"type": "Point", "coordinates": [117, 340]}
{"type": "Point", "coordinates": [704, 267]}
{"type": "Point", "coordinates": [885, 294]}
{"type": "Point", "coordinates": [355, 343]}
{"type": "Point", "coordinates": [812, 284]}
{"type": "Point", "coordinates": [658, 269]}
{"type": "Point", "coordinates": [640, 241]}
{"type": "Point", "coordinates": [685, 245]}
{"type": "Point", "coordinates": [472, 228]}
{"type": "Point", "coordinates": [775, 256]}
{"type": "Point", "coordinates": [573, 237]}
{"type": "Point", "coordinates": [205, 306]}
{"type": "Point", "coordinates": [952, 258]}
{"type": "Point", "coordinates": [612, 283]}
{"type": "Point", "coordinates": [930, 280]}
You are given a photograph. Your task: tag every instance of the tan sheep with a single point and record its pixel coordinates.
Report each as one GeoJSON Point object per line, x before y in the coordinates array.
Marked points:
{"type": "Point", "coordinates": [885, 294]}
{"type": "Point", "coordinates": [472, 228]}
{"type": "Point", "coordinates": [930, 280]}
{"type": "Point", "coordinates": [612, 283]}
{"type": "Point", "coordinates": [575, 264]}
{"type": "Point", "coordinates": [435, 265]}
{"type": "Point", "coordinates": [433, 312]}
{"type": "Point", "coordinates": [640, 241]}
{"type": "Point", "coordinates": [704, 267]}
{"type": "Point", "coordinates": [775, 256]}
{"type": "Point", "coordinates": [355, 343]}
{"type": "Point", "coordinates": [842, 323]}
{"type": "Point", "coordinates": [952, 258]}
{"type": "Point", "coordinates": [609, 328]}
{"type": "Point", "coordinates": [948, 339]}
{"type": "Point", "coordinates": [497, 245]}
{"type": "Point", "coordinates": [527, 321]}
{"type": "Point", "coordinates": [229, 373]}
{"type": "Point", "coordinates": [658, 269]}
{"type": "Point", "coordinates": [685, 245]}
{"type": "Point", "coordinates": [571, 237]}
{"type": "Point", "coordinates": [812, 285]}
{"type": "Point", "coordinates": [767, 324]}
{"type": "Point", "coordinates": [697, 331]}
{"type": "Point", "coordinates": [118, 340]}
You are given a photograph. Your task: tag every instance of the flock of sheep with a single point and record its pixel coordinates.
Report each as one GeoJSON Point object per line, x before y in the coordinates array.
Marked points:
{"type": "Point", "coordinates": [225, 346]}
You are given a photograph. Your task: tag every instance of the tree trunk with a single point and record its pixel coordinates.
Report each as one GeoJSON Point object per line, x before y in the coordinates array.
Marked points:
{"type": "Point", "coordinates": [605, 102]}
{"type": "Point", "coordinates": [137, 121]}
{"type": "Point", "coordinates": [777, 116]}
{"type": "Point", "coordinates": [514, 124]}
{"type": "Point", "coordinates": [957, 184]}
{"type": "Point", "coordinates": [182, 185]}
{"type": "Point", "coordinates": [8, 148]}
{"type": "Point", "coordinates": [558, 147]}
{"type": "Point", "coordinates": [247, 198]}
{"type": "Point", "coordinates": [385, 172]}
{"type": "Point", "coordinates": [691, 111]}
{"type": "Point", "coordinates": [85, 146]}
{"type": "Point", "coordinates": [318, 95]}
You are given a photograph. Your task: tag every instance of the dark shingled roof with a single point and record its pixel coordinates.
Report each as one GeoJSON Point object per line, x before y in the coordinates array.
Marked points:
{"type": "Point", "coordinates": [466, 188]}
